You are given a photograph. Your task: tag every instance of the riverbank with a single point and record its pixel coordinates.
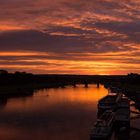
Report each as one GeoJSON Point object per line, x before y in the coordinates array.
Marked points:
{"type": "Point", "coordinates": [23, 84]}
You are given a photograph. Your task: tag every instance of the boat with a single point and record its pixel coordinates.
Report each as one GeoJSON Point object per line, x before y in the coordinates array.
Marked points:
{"type": "Point", "coordinates": [122, 117]}
{"type": "Point", "coordinates": [103, 127]}
{"type": "Point", "coordinates": [124, 103]}
{"type": "Point", "coordinates": [109, 102]}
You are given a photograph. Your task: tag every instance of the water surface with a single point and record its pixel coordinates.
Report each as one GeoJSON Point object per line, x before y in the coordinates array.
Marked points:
{"type": "Point", "coordinates": [51, 114]}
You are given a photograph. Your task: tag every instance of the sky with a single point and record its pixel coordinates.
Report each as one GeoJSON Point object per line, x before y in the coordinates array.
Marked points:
{"type": "Point", "coordinates": [70, 36]}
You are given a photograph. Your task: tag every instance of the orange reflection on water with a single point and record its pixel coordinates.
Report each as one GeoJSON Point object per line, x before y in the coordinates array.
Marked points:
{"type": "Point", "coordinates": [52, 114]}
{"type": "Point", "coordinates": [53, 97]}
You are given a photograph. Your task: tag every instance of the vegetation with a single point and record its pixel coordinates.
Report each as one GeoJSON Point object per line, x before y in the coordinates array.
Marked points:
{"type": "Point", "coordinates": [22, 83]}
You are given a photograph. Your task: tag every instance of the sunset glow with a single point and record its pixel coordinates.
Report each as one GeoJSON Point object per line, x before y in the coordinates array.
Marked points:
{"type": "Point", "coordinates": [70, 37]}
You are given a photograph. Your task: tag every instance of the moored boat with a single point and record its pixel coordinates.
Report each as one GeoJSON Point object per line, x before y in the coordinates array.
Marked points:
{"type": "Point", "coordinates": [124, 103]}
{"type": "Point", "coordinates": [109, 102]}
{"type": "Point", "coordinates": [103, 127]}
{"type": "Point", "coordinates": [122, 117]}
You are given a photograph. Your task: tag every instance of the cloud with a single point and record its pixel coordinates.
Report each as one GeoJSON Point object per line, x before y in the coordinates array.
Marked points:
{"type": "Point", "coordinates": [31, 40]}
{"type": "Point", "coordinates": [64, 31]}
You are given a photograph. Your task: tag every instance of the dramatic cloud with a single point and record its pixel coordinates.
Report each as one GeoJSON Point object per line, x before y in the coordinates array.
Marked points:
{"type": "Point", "coordinates": [77, 36]}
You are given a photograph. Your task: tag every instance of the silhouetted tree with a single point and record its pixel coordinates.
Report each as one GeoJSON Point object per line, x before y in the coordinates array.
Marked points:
{"type": "Point", "coordinates": [3, 72]}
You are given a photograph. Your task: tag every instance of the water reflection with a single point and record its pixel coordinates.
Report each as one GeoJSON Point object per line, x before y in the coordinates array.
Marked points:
{"type": "Point", "coordinates": [52, 114]}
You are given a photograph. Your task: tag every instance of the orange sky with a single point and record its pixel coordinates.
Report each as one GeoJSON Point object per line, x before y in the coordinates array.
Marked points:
{"type": "Point", "coordinates": [70, 37]}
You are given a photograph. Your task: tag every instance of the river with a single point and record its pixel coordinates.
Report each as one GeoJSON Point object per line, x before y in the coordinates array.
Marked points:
{"type": "Point", "coordinates": [51, 114]}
